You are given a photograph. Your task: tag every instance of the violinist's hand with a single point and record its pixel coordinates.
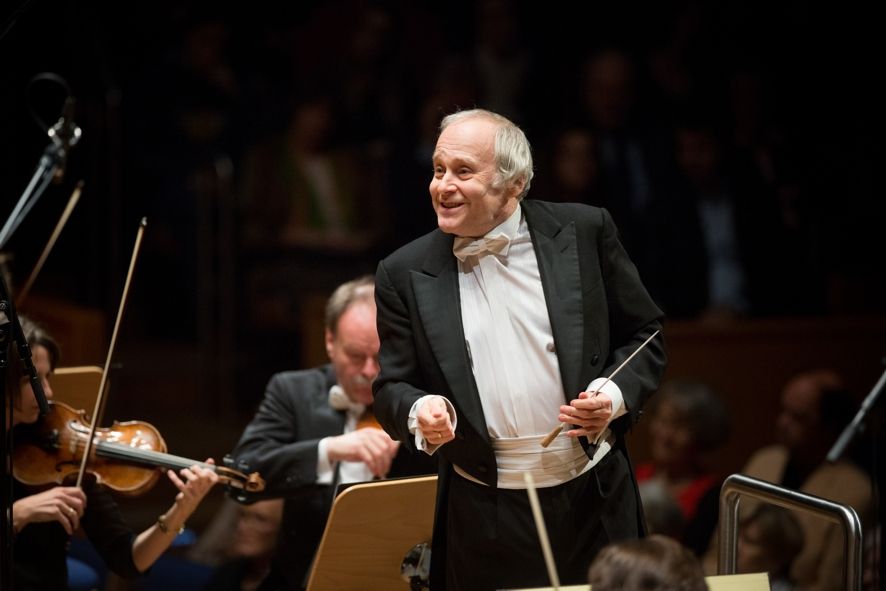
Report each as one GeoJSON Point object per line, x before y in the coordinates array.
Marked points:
{"type": "Point", "coordinates": [434, 422]}
{"type": "Point", "coordinates": [373, 447]}
{"type": "Point", "coordinates": [193, 483]}
{"type": "Point", "coordinates": [590, 412]}
{"type": "Point", "coordinates": [64, 504]}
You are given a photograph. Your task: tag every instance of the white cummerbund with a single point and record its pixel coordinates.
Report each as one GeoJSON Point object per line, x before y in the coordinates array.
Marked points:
{"type": "Point", "coordinates": [560, 462]}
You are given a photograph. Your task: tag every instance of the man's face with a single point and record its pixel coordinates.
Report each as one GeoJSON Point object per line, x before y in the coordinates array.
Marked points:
{"type": "Point", "coordinates": [353, 351]}
{"type": "Point", "coordinates": [798, 421]}
{"type": "Point", "coordinates": [462, 191]}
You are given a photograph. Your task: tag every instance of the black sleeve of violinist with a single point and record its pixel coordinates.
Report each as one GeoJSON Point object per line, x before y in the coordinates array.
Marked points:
{"type": "Point", "coordinates": [108, 531]}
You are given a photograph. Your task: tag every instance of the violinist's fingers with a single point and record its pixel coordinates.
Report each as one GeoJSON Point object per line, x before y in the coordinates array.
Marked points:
{"type": "Point", "coordinates": [62, 504]}
{"type": "Point", "coordinates": [195, 482]}
{"type": "Point", "coordinates": [67, 516]}
{"type": "Point", "coordinates": [206, 473]}
{"type": "Point", "coordinates": [175, 479]}
{"type": "Point", "coordinates": [204, 480]}
{"type": "Point", "coordinates": [74, 516]}
{"type": "Point", "coordinates": [73, 497]}
{"type": "Point", "coordinates": [178, 484]}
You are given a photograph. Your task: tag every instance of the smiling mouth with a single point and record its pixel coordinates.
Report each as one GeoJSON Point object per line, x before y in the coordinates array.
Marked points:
{"type": "Point", "coordinates": [450, 205]}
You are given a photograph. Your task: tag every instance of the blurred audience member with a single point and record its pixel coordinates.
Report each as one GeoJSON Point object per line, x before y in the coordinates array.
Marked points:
{"type": "Point", "coordinates": [636, 165]}
{"type": "Point", "coordinates": [769, 540]}
{"type": "Point", "coordinates": [452, 84]}
{"type": "Point", "coordinates": [729, 251]}
{"type": "Point", "coordinates": [687, 420]}
{"type": "Point", "coordinates": [502, 58]}
{"type": "Point", "coordinates": [248, 561]}
{"type": "Point", "coordinates": [303, 191]}
{"type": "Point", "coordinates": [655, 563]}
{"type": "Point", "coordinates": [815, 408]}
{"type": "Point", "coordinates": [661, 510]}
{"type": "Point", "coordinates": [573, 168]}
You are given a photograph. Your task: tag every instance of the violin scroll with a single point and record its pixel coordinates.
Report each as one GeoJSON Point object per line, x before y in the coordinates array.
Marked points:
{"type": "Point", "coordinates": [253, 482]}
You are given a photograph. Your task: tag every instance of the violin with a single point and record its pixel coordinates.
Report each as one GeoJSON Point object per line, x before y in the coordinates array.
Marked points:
{"type": "Point", "coordinates": [127, 457]}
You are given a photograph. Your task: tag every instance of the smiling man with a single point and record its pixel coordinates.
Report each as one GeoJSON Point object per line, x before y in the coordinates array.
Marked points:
{"type": "Point", "coordinates": [494, 328]}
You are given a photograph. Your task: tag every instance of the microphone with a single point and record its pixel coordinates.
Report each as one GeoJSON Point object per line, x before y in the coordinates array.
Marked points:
{"type": "Point", "coordinates": [65, 134]}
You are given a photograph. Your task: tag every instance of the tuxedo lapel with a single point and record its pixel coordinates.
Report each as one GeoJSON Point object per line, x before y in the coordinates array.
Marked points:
{"type": "Point", "coordinates": [438, 300]}
{"type": "Point", "coordinates": [556, 250]}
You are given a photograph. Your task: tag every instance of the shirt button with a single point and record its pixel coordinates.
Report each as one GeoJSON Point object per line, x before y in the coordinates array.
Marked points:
{"type": "Point", "coordinates": [595, 359]}
{"type": "Point", "coordinates": [551, 348]}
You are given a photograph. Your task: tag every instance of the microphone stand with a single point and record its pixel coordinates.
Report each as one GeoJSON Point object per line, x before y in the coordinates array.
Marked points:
{"type": "Point", "coordinates": [64, 135]}
{"type": "Point", "coordinates": [854, 427]}
{"type": "Point", "coordinates": [879, 474]}
{"type": "Point", "coordinates": [11, 332]}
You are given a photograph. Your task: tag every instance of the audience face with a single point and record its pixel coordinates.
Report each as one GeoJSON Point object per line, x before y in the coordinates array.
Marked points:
{"type": "Point", "coordinates": [353, 351]}
{"type": "Point", "coordinates": [575, 164]}
{"type": "Point", "coordinates": [672, 437]}
{"type": "Point", "coordinates": [609, 89]}
{"type": "Point", "coordinates": [257, 528]}
{"type": "Point", "coordinates": [799, 418]}
{"type": "Point", "coordinates": [310, 126]}
{"type": "Point", "coordinates": [698, 157]}
{"type": "Point", "coordinates": [463, 190]}
{"type": "Point", "coordinates": [25, 410]}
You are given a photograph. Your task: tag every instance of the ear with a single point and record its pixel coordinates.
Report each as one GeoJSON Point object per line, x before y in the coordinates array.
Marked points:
{"type": "Point", "coordinates": [329, 342]}
{"type": "Point", "coordinates": [517, 187]}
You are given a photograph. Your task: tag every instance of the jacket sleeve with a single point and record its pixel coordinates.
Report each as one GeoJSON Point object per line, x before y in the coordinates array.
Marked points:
{"type": "Point", "coordinates": [393, 389]}
{"type": "Point", "coordinates": [633, 317]}
{"type": "Point", "coordinates": [273, 443]}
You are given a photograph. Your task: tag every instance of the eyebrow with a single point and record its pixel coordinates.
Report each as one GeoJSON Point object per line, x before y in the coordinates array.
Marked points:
{"type": "Point", "coordinates": [458, 159]}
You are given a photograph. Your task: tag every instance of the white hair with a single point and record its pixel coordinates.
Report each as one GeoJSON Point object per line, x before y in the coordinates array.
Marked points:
{"type": "Point", "coordinates": [513, 155]}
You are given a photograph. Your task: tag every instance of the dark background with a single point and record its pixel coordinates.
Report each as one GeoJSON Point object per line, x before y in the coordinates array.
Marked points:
{"type": "Point", "coordinates": [175, 97]}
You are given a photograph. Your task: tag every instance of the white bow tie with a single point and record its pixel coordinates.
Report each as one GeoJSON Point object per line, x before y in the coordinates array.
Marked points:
{"type": "Point", "coordinates": [463, 247]}
{"type": "Point", "coordinates": [341, 401]}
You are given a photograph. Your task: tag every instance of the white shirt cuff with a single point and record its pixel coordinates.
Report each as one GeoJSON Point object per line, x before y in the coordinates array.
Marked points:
{"type": "Point", "coordinates": [324, 466]}
{"type": "Point", "coordinates": [612, 390]}
{"type": "Point", "coordinates": [420, 442]}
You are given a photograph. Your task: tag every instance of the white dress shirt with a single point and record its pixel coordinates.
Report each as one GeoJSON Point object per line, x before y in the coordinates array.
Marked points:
{"type": "Point", "coordinates": [511, 347]}
{"type": "Point", "coordinates": [349, 471]}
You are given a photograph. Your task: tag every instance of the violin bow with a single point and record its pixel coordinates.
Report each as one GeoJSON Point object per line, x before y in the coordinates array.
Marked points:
{"type": "Point", "coordinates": [99, 400]}
{"type": "Point", "coordinates": [69, 208]}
